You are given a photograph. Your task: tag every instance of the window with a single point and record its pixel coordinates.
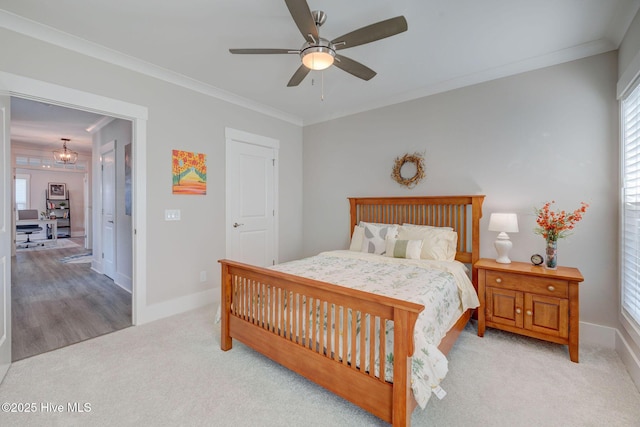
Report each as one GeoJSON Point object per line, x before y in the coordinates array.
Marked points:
{"type": "Point", "coordinates": [630, 250]}
{"type": "Point", "coordinates": [22, 191]}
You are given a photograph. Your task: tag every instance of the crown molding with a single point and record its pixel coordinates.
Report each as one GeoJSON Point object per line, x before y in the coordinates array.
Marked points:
{"type": "Point", "coordinates": [59, 38]}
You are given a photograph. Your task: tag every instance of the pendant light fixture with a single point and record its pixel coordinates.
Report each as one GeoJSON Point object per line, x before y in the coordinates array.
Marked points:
{"type": "Point", "coordinates": [65, 156]}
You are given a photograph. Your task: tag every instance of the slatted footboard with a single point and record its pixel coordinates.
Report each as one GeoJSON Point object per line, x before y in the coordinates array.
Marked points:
{"type": "Point", "coordinates": [327, 333]}
{"type": "Point", "coordinates": [285, 317]}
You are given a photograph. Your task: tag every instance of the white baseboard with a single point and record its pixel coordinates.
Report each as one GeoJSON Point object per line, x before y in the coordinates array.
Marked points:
{"type": "Point", "coordinates": [608, 337]}
{"type": "Point", "coordinates": [124, 288]}
{"type": "Point", "coordinates": [629, 358]}
{"type": "Point", "coordinates": [178, 305]}
{"type": "Point", "coordinates": [96, 266]}
{"type": "Point", "coordinates": [124, 282]}
{"type": "Point", "coordinates": [603, 336]}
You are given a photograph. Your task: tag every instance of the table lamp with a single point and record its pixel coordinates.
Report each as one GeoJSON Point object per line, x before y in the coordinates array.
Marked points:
{"type": "Point", "coordinates": [503, 223]}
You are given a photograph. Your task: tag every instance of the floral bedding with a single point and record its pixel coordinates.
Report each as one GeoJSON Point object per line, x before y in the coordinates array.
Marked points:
{"type": "Point", "coordinates": [443, 287]}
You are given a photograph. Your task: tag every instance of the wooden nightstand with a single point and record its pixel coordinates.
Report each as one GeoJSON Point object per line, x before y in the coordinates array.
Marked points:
{"type": "Point", "coordinates": [530, 300]}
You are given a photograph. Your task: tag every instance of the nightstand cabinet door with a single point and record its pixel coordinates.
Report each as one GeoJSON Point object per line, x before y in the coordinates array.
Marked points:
{"type": "Point", "coordinates": [546, 315]}
{"type": "Point", "coordinates": [504, 307]}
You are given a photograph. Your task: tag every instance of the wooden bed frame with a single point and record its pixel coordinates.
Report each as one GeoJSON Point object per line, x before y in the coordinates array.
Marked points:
{"type": "Point", "coordinates": [258, 309]}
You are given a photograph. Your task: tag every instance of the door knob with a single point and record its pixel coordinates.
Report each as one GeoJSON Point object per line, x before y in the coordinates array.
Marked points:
{"type": "Point", "coordinates": [236, 225]}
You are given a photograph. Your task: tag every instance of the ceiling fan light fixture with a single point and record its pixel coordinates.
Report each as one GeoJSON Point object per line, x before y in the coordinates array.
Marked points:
{"type": "Point", "coordinates": [65, 156]}
{"type": "Point", "coordinates": [317, 57]}
{"type": "Point", "coordinates": [318, 53]}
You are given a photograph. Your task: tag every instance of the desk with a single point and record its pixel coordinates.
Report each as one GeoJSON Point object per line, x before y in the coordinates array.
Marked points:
{"type": "Point", "coordinates": [42, 223]}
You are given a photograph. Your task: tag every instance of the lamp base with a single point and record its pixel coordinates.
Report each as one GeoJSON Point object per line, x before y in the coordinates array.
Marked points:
{"type": "Point", "coordinates": [503, 246]}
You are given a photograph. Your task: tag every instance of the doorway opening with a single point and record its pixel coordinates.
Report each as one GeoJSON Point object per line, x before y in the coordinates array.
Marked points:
{"type": "Point", "coordinates": [27, 88]}
{"type": "Point", "coordinates": [60, 292]}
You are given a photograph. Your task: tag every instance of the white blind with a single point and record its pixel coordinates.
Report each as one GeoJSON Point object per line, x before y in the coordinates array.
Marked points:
{"type": "Point", "coordinates": [22, 192]}
{"type": "Point", "coordinates": [631, 204]}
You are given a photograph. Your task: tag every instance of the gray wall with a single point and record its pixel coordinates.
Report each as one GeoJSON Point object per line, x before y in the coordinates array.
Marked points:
{"type": "Point", "coordinates": [630, 46]}
{"type": "Point", "coordinates": [183, 119]}
{"type": "Point", "coordinates": [544, 135]}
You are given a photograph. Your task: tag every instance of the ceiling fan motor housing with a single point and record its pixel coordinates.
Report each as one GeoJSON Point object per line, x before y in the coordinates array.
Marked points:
{"type": "Point", "coordinates": [319, 55]}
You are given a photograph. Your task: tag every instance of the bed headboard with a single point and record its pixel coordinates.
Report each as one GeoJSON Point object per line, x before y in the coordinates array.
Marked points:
{"type": "Point", "coordinates": [462, 213]}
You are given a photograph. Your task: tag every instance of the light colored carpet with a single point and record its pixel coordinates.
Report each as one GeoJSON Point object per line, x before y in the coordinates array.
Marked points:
{"type": "Point", "coordinates": [49, 244]}
{"type": "Point", "coordinates": [172, 372]}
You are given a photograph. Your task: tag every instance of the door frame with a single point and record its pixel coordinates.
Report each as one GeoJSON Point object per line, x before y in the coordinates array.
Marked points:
{"type": "Point", "coordinates": [234, 135]}
{"type": "Point", "coordinates": [7, 230]}
{"type": "Point", "coordinates": [28, 88]}
{"type": "Point", "coordinates": [109, 147]}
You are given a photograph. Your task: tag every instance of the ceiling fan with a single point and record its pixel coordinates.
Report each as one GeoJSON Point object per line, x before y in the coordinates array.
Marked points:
{"type": "Point", "coordinates": [318, 53]}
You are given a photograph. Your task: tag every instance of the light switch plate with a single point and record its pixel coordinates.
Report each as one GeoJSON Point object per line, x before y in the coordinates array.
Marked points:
{"type": "Point", "coordinates": [172, 214]}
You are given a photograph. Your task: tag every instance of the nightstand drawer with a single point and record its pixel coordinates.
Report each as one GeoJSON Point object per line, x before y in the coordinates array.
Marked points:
{"type": "Point", "coordinates": [539, 285]}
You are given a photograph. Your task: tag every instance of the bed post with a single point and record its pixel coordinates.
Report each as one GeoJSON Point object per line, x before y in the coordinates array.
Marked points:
{"type": "Point", "coordinates": [225, 284]}
{"type": "Point", "coordinates": [354, 215]}
{"type": "Point", "coordinates": [475, 248]}
{"type": "Point", "coordinates": [403, 326]}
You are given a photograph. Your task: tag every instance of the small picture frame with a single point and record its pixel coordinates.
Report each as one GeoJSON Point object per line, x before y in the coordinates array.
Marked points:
{"type": "Point", "coordinates": [57, 191]}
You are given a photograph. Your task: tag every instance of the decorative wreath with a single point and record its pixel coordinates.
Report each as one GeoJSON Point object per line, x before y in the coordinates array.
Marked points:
{"type": "Point", "coordinates": [412, 181]}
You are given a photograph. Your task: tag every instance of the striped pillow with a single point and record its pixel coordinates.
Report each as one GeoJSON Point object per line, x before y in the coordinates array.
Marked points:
{"type": "Point", "coordinates": [410, 249]}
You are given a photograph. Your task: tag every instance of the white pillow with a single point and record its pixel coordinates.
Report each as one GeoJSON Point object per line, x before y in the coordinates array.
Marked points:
{"type": "Point", "coordinates": [410, 249]}
{"type": "Point", "coordinates": [375, 236]}
{"type": "Point", "coordinates": [356, 238]}
{"type": "Point", "coordinates": [406, 224]}
{"type": "Point", "coordinates": [440, 243]}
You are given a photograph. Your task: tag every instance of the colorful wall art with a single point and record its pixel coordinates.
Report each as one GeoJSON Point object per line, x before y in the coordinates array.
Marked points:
{"type": "Point", "coordinates": [189, 172]}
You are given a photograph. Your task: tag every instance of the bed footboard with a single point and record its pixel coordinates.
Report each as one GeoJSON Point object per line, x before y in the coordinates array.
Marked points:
{"type": "Point", "coordinates": [329, 334]}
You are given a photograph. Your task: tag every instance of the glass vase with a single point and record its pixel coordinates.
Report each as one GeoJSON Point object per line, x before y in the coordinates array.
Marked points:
{"type": "Point", "coordinates": [551, 259]}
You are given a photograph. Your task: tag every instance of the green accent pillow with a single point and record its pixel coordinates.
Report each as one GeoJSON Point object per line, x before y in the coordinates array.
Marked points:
{"type": "Point", "coordinates": [409, 249]}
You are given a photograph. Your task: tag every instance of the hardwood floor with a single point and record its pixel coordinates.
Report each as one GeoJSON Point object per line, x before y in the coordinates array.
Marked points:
{"type": "Point", "coordinates": [56, 304]}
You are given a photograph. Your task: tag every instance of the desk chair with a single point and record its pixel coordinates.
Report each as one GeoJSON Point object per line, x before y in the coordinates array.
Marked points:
{"type": "Point", "coordinates": [28, 229]}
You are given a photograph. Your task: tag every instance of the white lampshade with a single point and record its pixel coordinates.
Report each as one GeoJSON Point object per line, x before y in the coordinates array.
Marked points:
{"type": "Point", "coordinates": [507, 222]}
{"type": "Point", "coordinates": [503, 223]}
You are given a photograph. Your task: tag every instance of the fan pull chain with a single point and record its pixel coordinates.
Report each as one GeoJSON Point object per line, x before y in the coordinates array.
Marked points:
{"type": "Point", "coordinates": [313, 83]}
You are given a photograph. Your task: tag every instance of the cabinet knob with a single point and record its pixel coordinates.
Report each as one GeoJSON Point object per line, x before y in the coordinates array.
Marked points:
{"type": "Point", "coordinates": [551, 288]}
{"type": "Point", "coordinates": [529, 312]}
{"type": "Point", "coordinates": [518, 311]}
{"type": "Point", "coordinates": [498, 280]}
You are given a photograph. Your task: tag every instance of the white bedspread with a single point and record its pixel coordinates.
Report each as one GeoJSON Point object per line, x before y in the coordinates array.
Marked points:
{"type": "Point", "coordinates": [442, 287]}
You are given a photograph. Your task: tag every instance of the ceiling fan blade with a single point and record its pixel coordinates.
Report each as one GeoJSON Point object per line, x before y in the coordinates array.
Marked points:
{"type": "Point", "coordinates": [301, 15]}
{"type": "Point", "coordinates": [298, 76]}
{"type": "Point", "coordinates": [371, 33]}
{"type": "Point", "coordinates": [354, 67]}
{"type": "Point", "coordinates": [263, 51]}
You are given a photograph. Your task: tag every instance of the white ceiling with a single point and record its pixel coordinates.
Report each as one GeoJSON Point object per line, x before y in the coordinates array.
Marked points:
{"type": "Point", "coordinates": [449, 44]}
{"type": "Point", "coordinates": [36, 123]}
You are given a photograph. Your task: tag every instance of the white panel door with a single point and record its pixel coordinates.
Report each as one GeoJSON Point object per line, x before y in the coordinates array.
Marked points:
{"type": "Point", "coordinates": [251, 215]}
{"type": "Point", "coordinates": [108, 158]}
{"type": "Point", "coordinates": [6, 233]}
